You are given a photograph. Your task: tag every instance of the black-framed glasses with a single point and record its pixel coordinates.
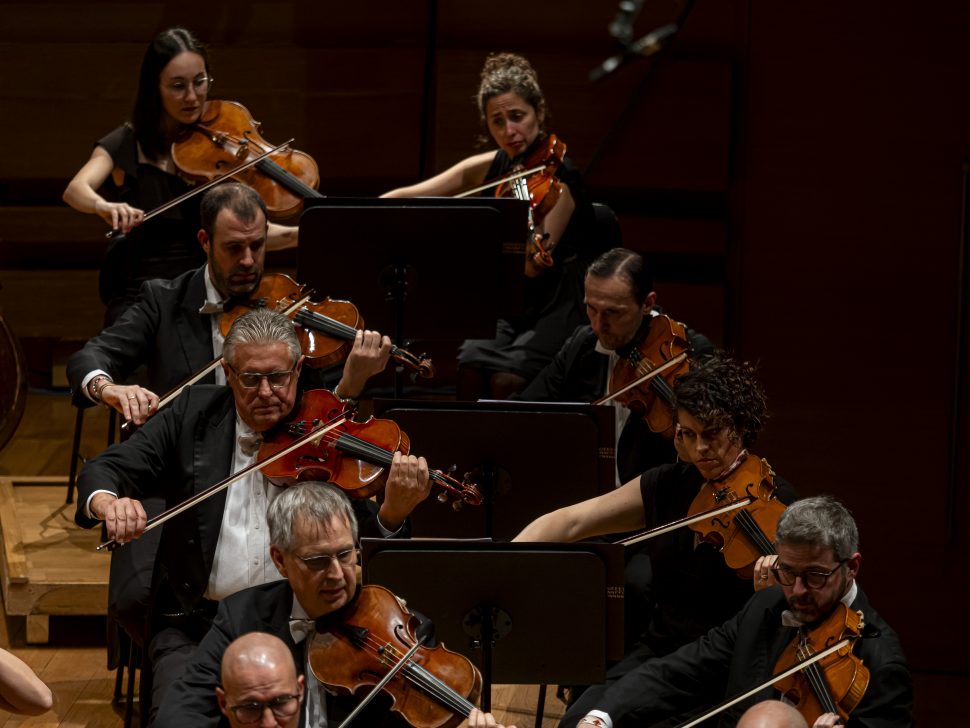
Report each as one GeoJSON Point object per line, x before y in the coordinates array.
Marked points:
{"type": "Point", "coordinates": [321, 562]}
{"type": "Point", "coordinates": [179, 86]}
{"type": "Point", "coordinates": [251, 380]}
{"type": "Point", "coordinates": [282, 707]}
{"type": "Point", "coordinates": [812, 579]}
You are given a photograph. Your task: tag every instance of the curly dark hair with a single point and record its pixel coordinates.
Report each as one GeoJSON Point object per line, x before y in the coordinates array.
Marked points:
{"type": "Point", "coordinates": [723, 392]}
{"type": "Point", "coordinates": [510, 72]}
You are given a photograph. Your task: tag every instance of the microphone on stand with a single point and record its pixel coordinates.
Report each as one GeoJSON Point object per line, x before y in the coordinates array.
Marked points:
{"type": "Point", "coordinates": [649, 44]}
{"type": "Point", "coordinates": [622, 26]}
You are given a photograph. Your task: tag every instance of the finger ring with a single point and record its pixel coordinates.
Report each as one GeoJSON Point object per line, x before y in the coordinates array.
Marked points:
{"type": "Point", "coordinates": [764, 577]}
{"type": "Point", "coordinates": [133, 397]}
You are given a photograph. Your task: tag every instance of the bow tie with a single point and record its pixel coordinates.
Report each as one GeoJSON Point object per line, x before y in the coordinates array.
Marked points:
{"type": "Point", "coordinates": [210, 307]}
{"type": "Point", "coordinates": [301, 628]}
{"type": "Point", "coordinates": [249, 444]}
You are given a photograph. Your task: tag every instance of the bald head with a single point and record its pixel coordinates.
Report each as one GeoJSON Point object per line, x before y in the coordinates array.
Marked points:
{"type": "Point", "coordinates": [259, 668]}
{"type": "Point", "coordinates": [772, 714]}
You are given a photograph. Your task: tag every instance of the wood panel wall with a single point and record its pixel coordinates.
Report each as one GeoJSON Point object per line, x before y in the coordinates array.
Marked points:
{"type": "Point", "coordinates": [794, 170]}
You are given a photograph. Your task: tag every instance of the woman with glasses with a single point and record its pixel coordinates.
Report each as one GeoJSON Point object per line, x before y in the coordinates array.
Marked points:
{"type": "Point", "coordinates": [720, 409]}
{"type": "Point", "coordinates": [130, 173]}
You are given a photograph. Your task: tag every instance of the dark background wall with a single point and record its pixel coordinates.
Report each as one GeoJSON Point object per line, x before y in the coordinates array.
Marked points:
{"type": "Point", "coordinates": [794, 170]}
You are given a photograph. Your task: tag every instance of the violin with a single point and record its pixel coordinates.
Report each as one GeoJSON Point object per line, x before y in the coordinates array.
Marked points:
{"type": "Point", "coordinates": [355, 456]}
{"type": "Point", "coordinates": [307, 450]}
{"type": "Point", "coordinates": [664, 340]}
{"type": "Point", "coordinates": [225, 136]}
{"type": "Point", "coordinates": [817, 672]}
{"type": "Point", "coordinates": [357, 645]}
{"type": "Point", "coordinates": [541, 189]}
{"type": "Point", "coordinates": [326, 329]}
{"type": "Point", "coordinates": [834, 684]}
{"type": "Point", "coordinates": [539, 186]}
{"type": "Point", "coordinates": [744, 534]}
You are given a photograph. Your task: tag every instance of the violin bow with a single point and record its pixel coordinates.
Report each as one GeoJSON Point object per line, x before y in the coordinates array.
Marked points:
{"type": "Point", "coordinates": [312, 435]}
{"type": "Point", "coordinates": [211, 366]}
{"type": "Point", "coordinates": [645, 378]}
{"type": "Point", "coordinates": [769, 682]}
{"type": "Point", "coordinates": [202, 188]}
{"type": "Point", "coordinates": [500, 181]}
{"type": "Point", "coordinates": [681, 522]}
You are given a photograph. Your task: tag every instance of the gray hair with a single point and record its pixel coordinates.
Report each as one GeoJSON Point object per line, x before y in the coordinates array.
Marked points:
{"type": "Point", "coordinates": [819, 521]}
{"type": "Point", "coordinates": [262, 326]}
{"type": "Point", "coordinates": [313, 501]}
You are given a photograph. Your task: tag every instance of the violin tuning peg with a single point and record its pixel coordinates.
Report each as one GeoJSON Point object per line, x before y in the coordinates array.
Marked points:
{"type": "Point", "coordinates": [442, 497]}
{"type": "Point", "coordinates": [456, 506]}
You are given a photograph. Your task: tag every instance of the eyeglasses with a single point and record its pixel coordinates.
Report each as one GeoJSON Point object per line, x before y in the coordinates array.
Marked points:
{"type": "Point", "coordinates": [321, 562]}
{"type": "Point", "coordinates": [282, 706]}
{"type": "Point", "coordinates": [811, 579]}
{"type": "Point", "coordinates": [251, 380]}
{"type": "Point", "coordinates": [179, 87]}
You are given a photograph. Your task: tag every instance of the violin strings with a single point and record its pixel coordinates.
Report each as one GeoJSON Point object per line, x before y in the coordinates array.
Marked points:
{"type": "Point", "coordinates": [324, 324]}
{"type": "Point", "coordinates": [418, 675]}
{"type": "Point", "coordinates": [817, 682]}
{"type": "Point", "coordinates": [754, 532]}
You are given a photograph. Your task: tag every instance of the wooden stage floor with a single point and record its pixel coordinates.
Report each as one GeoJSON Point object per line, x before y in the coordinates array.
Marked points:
{"type": "Point", "coordinates": [51, 568]}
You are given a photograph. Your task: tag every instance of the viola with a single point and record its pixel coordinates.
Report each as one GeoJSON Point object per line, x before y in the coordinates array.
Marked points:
{"type": "Point", "coordinates": [817, 672]}
{"type": "Point", "coordinates": [661, 342]}
{"type": "Point", "coordinates": [541, 189]}
{"type": "Point", "coordinates": [355, 456]}
{"type": "Point", "coordinates": [357, 645]}
{"type": "Point", "coordinates": [320, 442]}
{"type": "Point", "coordinates": [539, 186]}
{"type": "Point", "coordinates": [744, 534]}
{"type": "Point", "coordinates": [326, 329]}
{"type": "Point", "coordinates": [225, 136]}
{"type": "Point", "coordinates": [834, 684]}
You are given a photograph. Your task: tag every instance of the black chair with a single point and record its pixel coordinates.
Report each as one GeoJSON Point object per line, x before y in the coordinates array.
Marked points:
{"type": "Point", "coordinates": [76, 456]}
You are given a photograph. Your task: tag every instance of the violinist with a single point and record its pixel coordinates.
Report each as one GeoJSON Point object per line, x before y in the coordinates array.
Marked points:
{"type": "Point", "coordinates": [130, 172]}
{"type": "Point", "coordinates": [621, 306]}
{"type": "Point", "coordinates": [818, 563]}
{"type": "Point", "coordinates": [173, 330]}
{"type": "Point", "coordinates": [515, 114]}
{"type": "Point", "coordinates": [220, 546]}
{"type": "Point", "coordinates": [720, 409]}
{"type": "Point", "coordinates": [314, 545]}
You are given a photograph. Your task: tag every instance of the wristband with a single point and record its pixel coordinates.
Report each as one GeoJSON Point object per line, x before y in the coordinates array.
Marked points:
{"type": "Point", "coordinates": [95, 390]}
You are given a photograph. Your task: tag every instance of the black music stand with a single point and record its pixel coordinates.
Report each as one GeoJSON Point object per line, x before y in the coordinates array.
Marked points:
{"type": "Point", "coordinates": [527, 458]}
{"type": "Point", "coordinates": [526, 613]}
{"type": "Point", "coordinates": [449, 268]}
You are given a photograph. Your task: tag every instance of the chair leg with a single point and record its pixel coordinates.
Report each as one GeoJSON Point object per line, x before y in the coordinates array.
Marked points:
{"type": "Point", "coordinates": [134, 656]}
{"type": "Point", "coordinates": [75, 454]}
{"type": "Point", "coordinates": [540, 705]}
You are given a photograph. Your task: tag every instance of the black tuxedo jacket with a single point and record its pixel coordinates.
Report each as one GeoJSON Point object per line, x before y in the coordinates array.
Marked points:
{"type": "Point", "coordinates": [162, 330]}
{"type": "Point", "coordinates": [741, 654]}
{"type": "Point", "coordinates": [179, 452]}
{"type": "Point", "coordinates": [191, 701]}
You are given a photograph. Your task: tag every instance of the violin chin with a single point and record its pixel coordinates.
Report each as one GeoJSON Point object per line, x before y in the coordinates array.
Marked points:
{"type": "Point", "coordinates": [367, 472]}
